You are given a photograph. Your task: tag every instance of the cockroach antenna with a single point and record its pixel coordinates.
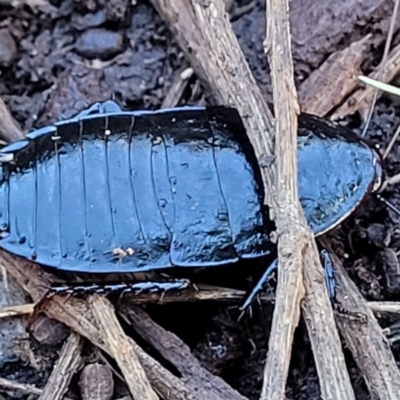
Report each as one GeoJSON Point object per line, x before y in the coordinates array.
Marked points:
{"type": "Point", "coordinates": [382, 65]}
{"type": "Point", "coordinates": [388, 204]}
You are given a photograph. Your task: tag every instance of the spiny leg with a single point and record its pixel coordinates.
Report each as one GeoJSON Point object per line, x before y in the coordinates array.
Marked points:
{"type": "Point", "coordinates": [260, 286]}
{"type": "Point", "coordinates": [327, 264]}
{"type": "Point", "coordinates": [119, 288]}
{"type": "Point", "coordinates": [85, 289]}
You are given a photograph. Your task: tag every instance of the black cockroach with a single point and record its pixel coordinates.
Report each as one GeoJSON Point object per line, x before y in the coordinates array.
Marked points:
{"type": "Point", "coordinates": [110, 191]}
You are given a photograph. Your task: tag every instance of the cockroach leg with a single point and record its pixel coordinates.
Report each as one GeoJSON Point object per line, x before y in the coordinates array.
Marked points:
{"type": "Point", "coordinates": [326, 262]}
{"type": "Point", "coordinates": [260, 286]}
{"type": "Point", "coordinates": [135, 287]}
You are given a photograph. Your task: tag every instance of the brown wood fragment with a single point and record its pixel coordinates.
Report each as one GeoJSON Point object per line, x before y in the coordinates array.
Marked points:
{"type": "Point", "coordinates": [67, 364]}
{"type": "Point", "coordinates": [336, 78]}
{"type": "Point", "coordinates": [364, 337]}
{"type": "Point", "coordinates": [361, 99]}
{"type": "Point", "coordinates": [9, 127]}
{"type": "Point", "coordinates": [122, 350]}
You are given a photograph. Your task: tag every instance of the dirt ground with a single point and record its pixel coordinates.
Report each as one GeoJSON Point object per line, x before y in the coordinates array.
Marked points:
{"type": "Point", "coordinates": [58, 57]}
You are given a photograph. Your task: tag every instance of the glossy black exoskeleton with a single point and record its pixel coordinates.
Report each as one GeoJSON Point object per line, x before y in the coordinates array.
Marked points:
{"type": "Point", "coordinates": [112, 192]}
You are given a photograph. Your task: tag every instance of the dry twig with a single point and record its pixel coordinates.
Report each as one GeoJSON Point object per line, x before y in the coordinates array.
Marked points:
{"type": "Point", "coordinates": [384, 306]}
{"type": "Point", "coordinates": [364, 337]}
{"type": "Point", "coordinates": [14, 311]}
{"type": "Point", "coordinates": [122, 349]}
{"type": "Point", "coordinates": [366, 342]}
{"type": "Point", "coordinates": [23, 388]}
{"type": "Point", "coordinates": [296, 246]}
{"type": "Point", "coordinates": [9, 128]}
{"type": "Point", "coordinates": [177, 88]}
{"type": "Point", "coordinates": [68, 363]}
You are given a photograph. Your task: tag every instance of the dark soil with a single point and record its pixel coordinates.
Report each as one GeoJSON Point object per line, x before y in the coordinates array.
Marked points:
{"type": "Point", "coordinates": [57, 58]}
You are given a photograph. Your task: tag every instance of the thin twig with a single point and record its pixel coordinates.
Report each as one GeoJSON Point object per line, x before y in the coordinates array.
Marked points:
{"type": "Point", "coordinates": [296, 246]}
{"type": "Point", "coordinates": [9, 127]}
{"type": "Point", "coordinates": [177, 88]}
{"type": "Point", "coordinates": [364, 337]}
{"type": "Point", "coordinates": [14, 311]}
{"type": "Point", "coordinates": [384, 306]}
{"type": "Point", "coordinates": [392, 142]}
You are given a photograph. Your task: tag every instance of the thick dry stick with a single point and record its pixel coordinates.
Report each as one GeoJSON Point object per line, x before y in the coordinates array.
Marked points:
{"type": "Point", "coordinates": [296, 247]}
{"type": "Point", "coordinates": [122, 350]}
{"type": "Point", "coordinates": [68, 363]}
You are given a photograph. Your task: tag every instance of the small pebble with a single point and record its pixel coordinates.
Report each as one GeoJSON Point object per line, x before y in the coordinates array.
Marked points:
{"type": "Point", "coordinates": [379, 235]}
{"type": "Point", "coordinates": [48, 331]}
{"type": "Point", "coordinates": [116, 9]}
{"type": "Point", "coordinates": [99, 43]}
{"type": "Point", "coordinates": [96, 382]}
{"type": "Point", "coordinates": [8, 49]}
